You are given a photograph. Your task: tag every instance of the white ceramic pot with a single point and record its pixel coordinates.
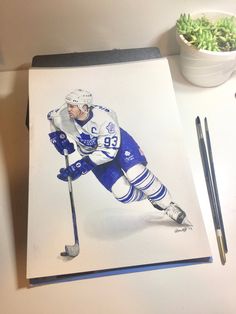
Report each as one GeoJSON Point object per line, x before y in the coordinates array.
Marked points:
{"type": "Point", "coordinates": [202, 67]}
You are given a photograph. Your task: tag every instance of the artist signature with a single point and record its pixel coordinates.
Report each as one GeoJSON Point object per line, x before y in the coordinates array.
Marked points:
{"type": "Point", "coordinates": [183, 229]}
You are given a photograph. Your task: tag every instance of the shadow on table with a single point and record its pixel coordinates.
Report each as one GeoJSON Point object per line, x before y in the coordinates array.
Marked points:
{"type": "Point", "coordinates": [14, 141]}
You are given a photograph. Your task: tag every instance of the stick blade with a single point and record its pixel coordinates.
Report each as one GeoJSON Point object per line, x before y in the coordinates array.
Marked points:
{"type": "Point", "coordinates": [71, 250]}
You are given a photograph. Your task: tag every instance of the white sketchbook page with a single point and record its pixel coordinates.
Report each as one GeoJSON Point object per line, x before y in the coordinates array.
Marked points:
{"type": "Point", "coordinates": [111, 234]}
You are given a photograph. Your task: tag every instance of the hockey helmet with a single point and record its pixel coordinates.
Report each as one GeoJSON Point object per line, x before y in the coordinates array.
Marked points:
{"type": "Point", "coordinates": [79, 97]}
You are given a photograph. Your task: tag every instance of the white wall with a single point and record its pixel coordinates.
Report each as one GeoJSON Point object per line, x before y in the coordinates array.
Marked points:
{"type": "Point", "coordinates": [30, 27]}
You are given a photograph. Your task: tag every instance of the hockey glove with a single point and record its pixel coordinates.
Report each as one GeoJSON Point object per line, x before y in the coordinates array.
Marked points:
{"type": "Point", "coordinates": [60, 141]}
{"type": "Point", "coordinates": [77, 169]}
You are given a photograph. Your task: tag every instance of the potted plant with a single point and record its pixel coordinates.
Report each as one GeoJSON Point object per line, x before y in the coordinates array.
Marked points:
{"type": "Point", "coordinates": [207, 47]}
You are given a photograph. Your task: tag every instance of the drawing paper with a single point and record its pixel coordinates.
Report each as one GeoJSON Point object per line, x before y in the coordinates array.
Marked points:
{"type": "Point", "coordinates": [112, 234]}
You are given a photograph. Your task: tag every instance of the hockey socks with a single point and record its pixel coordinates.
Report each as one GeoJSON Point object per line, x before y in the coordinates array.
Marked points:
{"type": "Point", "coordinates": [132, 195]}
{"type": "Point", "coordinates": [125, 192]}
{"type": "Point", "coordinates": [144, 180]}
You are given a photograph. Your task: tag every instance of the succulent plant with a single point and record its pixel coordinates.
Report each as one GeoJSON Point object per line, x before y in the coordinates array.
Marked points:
{"type": "Point", "coordinates": [205, 34]}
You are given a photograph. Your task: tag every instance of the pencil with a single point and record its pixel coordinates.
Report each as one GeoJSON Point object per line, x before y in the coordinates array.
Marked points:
{"type": "Point", "coordinates": [211, 192]}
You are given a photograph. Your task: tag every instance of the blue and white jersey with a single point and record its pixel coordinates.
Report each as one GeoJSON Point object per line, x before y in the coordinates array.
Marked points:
{"type": "Point", "coordinates": [97, 137]}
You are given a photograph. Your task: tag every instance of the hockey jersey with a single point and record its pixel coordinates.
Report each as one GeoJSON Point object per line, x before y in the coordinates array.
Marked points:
{"type": "Point", "coordinates": [97, 137]}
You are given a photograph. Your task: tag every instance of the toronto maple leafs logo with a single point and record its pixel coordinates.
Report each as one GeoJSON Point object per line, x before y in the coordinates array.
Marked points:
{"type": "Point", "coordinates": [110, 128]}
{"type": "Point", "coordinates": [87, 140]}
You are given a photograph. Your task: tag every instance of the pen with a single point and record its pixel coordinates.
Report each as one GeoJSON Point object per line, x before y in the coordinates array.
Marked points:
{"type": "Point", "coordinates": [211, 188]}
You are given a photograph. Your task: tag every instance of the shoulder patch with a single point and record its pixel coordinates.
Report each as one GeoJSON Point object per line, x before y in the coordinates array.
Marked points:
{"type": "Point", "coordinates": [111, 128]}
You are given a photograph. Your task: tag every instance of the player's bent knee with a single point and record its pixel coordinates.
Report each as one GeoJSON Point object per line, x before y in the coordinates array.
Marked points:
{"type": "Point", "coordinates": [121, 189]}
{"type": "Point", "coordinates": [135, 172]}
{"type": "Point", "coordinates": [124, 192]}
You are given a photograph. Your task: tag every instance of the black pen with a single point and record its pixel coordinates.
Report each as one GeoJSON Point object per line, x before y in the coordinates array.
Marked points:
{"type": "Point", "coordinates": [211, 192]}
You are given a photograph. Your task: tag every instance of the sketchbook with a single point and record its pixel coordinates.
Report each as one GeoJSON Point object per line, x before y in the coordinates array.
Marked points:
{"type": "Point", "coordinates": [128, 168]}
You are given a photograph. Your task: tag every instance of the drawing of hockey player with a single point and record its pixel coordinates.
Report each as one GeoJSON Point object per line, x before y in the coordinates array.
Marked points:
{"type": "Point", "coordinates": [109, 151]}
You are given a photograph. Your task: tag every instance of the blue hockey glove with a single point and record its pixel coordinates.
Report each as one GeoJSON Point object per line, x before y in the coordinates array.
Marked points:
{"type": "Point", "coordinates": [60, 141]}
{"type": "Point", "coordinates": [77, 169]}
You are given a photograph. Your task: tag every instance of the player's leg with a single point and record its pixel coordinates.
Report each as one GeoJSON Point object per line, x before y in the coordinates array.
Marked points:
{"type": "Point", "coordinates": [143, 179]}
{"type": "Point", "coordinates": [133, 162]}
{"type": "Point", "coordinates": [125, 192]}
{"type": "Point", "coordinates": [112, 178]}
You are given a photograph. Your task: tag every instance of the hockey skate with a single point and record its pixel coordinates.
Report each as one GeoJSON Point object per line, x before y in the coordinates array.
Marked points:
{"type": "Point", "coordinates": [174, 212]}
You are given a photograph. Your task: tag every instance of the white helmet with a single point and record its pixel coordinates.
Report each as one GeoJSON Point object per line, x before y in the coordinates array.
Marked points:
{"type": "Point", "coordinates": [79, 97]}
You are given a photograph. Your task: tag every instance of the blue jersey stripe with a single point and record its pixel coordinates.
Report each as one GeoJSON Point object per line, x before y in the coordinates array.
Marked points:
{"type": "Point", "coordinates": [107, 155]}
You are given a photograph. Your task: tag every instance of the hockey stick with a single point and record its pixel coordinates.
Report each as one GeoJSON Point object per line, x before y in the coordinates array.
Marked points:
{"type": "Point", "coordinates": [71, 250]}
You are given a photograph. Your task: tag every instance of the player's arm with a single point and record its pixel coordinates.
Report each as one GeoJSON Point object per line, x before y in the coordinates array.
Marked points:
{"type": "Point", "coordinates": [108, 145]}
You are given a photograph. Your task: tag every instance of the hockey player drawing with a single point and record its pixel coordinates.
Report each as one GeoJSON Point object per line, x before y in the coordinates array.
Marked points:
{"type": "Point", "coordinates": [109, 152]}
